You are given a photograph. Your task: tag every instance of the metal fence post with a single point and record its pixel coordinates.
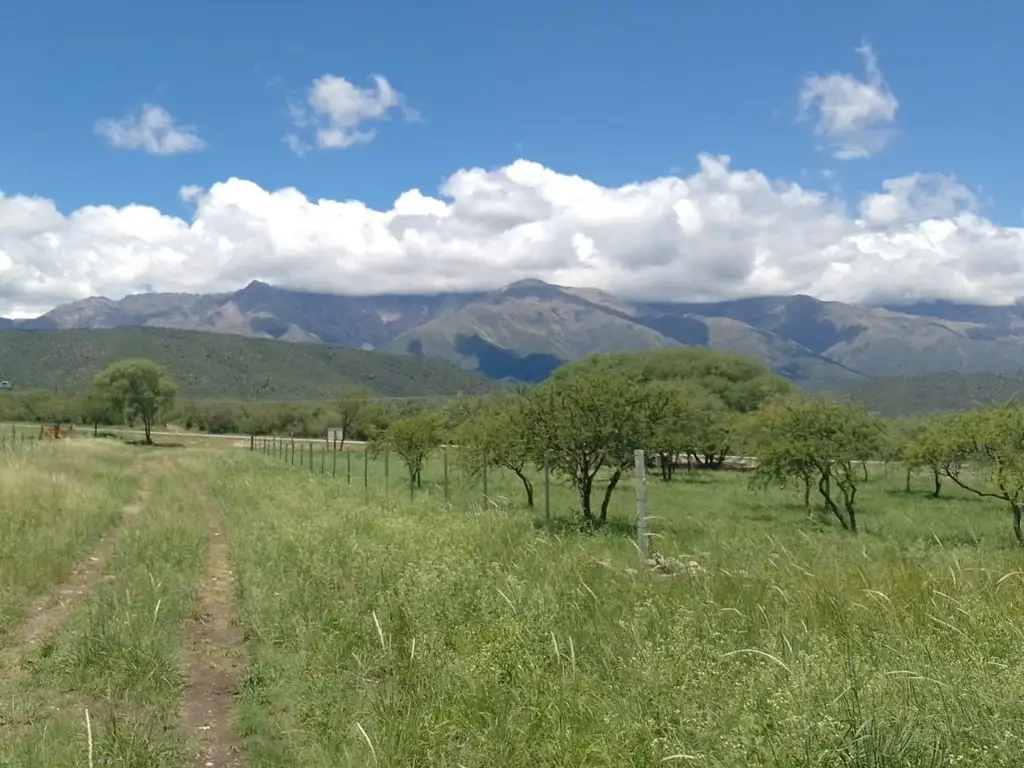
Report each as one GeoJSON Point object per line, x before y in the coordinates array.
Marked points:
{"type": "Point", "coordinates": [640, 469]}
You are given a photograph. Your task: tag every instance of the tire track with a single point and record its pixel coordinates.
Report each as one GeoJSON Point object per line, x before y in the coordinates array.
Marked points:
{"type": "Point", "coordinates": [48, 613]}
{"type": "Point", "coordinates": [212, 666]}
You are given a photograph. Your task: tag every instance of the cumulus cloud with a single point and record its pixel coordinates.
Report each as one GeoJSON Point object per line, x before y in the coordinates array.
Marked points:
{"type": "Point", "coordinates": [853, 116]}
{"type": "Point", "coordinates": [153, 130]}
{"type": "Point", "coordinates": [337, 112]}
{"type": "Point", "coordinates": [718, 233]}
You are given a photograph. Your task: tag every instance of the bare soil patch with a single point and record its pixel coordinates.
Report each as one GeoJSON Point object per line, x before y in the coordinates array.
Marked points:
{"type": "Point", "coordinates": [213, 666]}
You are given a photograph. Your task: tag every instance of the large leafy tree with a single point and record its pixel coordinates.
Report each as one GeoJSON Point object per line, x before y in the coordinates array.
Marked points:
{"type": "Point", "coordinates": [589, 421]}
{"type": "Point", "coordinates": [728, 385]}
{"type": "Point", "coordinates": [983, 453]}
{"type": "Point", "coordinates": [822, 442]}
{"type": "Point", "coordinates": [414, 438]}
{"type": "Point", "coordinates": [497, 435]}
{"type": "Point", "coordinates": [137, 388]}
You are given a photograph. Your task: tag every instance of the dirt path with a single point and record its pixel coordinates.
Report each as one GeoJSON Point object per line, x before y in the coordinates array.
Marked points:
{"type": "Point", "coordinates": [49, 612]}
{"type": "Point", "coordinates": [213, 667]}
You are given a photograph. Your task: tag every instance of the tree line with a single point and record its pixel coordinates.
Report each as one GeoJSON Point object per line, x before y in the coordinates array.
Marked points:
{"type": "Point", "coordinates": [689, 407]}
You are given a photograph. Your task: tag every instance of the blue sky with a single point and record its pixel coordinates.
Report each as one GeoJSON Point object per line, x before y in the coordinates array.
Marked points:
{"type": "Point", "coordinates": [612, 92]}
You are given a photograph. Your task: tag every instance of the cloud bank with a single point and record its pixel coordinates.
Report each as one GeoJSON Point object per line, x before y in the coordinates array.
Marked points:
{"type": "Point", "coordinates": [719, 233]}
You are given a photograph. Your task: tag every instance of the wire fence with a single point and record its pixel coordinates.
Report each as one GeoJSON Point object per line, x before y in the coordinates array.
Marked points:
{"type": "Point", "coordinates": [445, 477]}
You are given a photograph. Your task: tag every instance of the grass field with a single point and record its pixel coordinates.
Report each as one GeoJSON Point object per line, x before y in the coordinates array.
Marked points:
{"type": "Point", "coordinates": [378, 631]}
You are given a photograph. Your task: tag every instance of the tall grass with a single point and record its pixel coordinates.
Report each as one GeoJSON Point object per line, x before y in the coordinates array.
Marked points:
{"type": "Point", "coordinates": [119, 656]}
{"type": "Point", "coordinates": [399, 633]}
{"type": "Point", "coordinates": [56, 502]}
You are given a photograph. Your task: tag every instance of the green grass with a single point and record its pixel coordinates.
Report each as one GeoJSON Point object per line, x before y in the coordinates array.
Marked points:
{"type": "Point", "coordinates": [118, 655]}
{"type": "Point", "coordinates": [384, 631]}
{"type": "Point", "coordinates": [391, 633]}
{"type": "Point", "coordinates": [56, 501]}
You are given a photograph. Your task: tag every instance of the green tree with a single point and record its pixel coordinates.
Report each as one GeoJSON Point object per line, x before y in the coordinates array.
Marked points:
{"type": "Point", "coordinates": [818, 440]}
{"type": "Point", "coordinates": [589, 421]}
{"type": "Point", "coordinates": [731, 384]}
{"type": "Point", "coordinates": [95, 409]}
{"type": "Point", "coordinates": [985, 456]}
{"type": "Point", "coordinates": [691, 422]}
{"type": "Point", "coordinates": [929, 444]}
{"type": "Point", "coordinates": [138, 388]}
{"type": "Point", "coordinates": [497, 435]}
{"type": "Point", "coordinates": [351, 408]}
{"type": "Point", "coordinates": [414, 438]}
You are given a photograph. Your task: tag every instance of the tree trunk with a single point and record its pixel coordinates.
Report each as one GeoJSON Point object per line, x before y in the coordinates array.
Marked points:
{"type": "Point", "coordinates": [909, 470]}
{"type": "Point", "coordinates": [1016, 524]}
{"type": "Point", "coordinates": [825, 489]}
{"type": "Point", "coordinates": [148, 429]}
{"type": "Point", "coordinates": [864, 467]}
{"type": "Point", "coordinates": [665, 465]}
{"type": "Point", "coordinates": [849, 495]}
{"type": "Point", "coordinates": [938, 483]}
{"type": "Point", "coordinates": [584, 486]}
{"type": "Point", "coordinates": [807, 490]}
{"type": "Point", "coordinates": [612, 482]}
{"type": "Point", "coordinates": [96, 429]}
{"type": "Point", "coordinates": [527, 486]}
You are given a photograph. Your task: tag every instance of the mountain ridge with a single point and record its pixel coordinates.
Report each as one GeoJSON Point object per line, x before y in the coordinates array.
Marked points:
{"type": "Point", "coordinates": [527, 328]}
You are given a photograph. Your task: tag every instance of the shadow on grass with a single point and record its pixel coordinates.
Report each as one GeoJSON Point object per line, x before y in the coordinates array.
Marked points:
{"type": "Point", "coordinates": [575, 524]}
{"type": "Point", "coordinates": [917, 493]}
{"type": "Point", "coordinates": [144, 444]}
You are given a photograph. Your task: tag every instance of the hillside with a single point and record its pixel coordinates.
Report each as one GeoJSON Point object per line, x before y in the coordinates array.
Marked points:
{"type": "Point", "coordinates": [927, 393]}
{"type": "Point", "coordinates": [526, 329]}
{"type": "Point", "coordinates": [219, 365]}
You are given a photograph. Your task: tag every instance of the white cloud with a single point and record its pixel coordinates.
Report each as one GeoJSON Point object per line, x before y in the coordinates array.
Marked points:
{"type": "Point", "coordinates": [154, 131]}
{"type": "Point", "coordinates": [854, 116]}
{"type": "Point", "coordinates": [337, 112]}
{"type": "Point", "coordinates": [718, 233]}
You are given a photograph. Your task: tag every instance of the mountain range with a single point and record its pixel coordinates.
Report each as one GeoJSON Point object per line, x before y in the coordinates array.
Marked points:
{"type": "Point", "coordinates": [526, 329]}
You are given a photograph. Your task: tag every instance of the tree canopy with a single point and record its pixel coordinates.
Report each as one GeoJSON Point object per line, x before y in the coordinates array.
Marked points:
{"type": "Point", "coordinates": [138, 388]}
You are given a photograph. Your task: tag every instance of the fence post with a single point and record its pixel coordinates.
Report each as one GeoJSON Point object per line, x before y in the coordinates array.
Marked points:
{"type": "Point", "coordinates": [348, 466]}
{"type": "Point", "coordinates": [334, 460]}
{"type": "Point", "coordinates": [366, 468]}
{"type": "Point", "coordinates": [547, 495]}
{"type": "Point", "coordinates": [252, 442]}
{"type": "Point", "coordinates": [293, 451]}
{"type": "Point", "coordinates": [640, 467]}
{"type": "Point", "coordinates": [444, 461]}
{"type": "Point", "coordinates": [311, 458]}
{"type": "Point", "coordinates": [323, 459]}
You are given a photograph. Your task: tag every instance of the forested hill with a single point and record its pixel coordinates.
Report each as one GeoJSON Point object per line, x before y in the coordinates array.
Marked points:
{"type": "Point", "coordinates": [909, 395]}
{"type": "Point", "coordinates": [210, 365]}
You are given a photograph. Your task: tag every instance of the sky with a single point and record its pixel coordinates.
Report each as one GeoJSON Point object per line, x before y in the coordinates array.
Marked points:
{"type": "Point", "coordinates": [658, 149]}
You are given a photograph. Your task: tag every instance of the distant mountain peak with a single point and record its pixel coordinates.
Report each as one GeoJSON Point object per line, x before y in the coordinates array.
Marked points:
{"type": "Point", "coordinates": [528, 282]}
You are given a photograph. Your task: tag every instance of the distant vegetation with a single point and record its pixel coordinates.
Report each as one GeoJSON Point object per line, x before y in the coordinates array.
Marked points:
{"type": "Point", "coordinates": [209, 365]}
{"type": "Point", "coordinates": [928, 393]}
